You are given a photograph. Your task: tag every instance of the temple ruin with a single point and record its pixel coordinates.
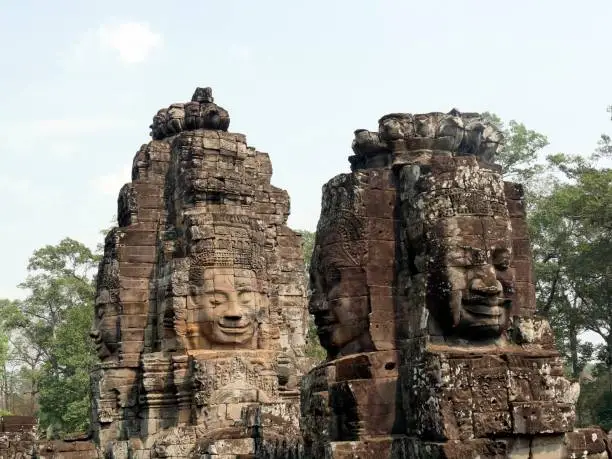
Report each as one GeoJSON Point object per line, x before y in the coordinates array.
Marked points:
{"type": "Point", "coordinates": [421, 290]}
{"type": "Point", "coordinates": [201, 306]}
{"type": "Point", "coordinates": [423, 295]}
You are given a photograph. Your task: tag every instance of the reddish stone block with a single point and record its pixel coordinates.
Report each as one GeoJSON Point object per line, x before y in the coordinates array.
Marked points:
{"type": "Point", "coordinates": [534, 418]}
{"type": "Point", "coordinates": [136, 254]}
{"type": "Point", "coordinates": [380, 204]}
{"type": "Point", "coordinates": [381, 229]}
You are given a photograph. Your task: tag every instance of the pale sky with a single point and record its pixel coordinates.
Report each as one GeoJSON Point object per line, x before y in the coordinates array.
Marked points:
{"type": "Point", "coordinates": [81, 80]}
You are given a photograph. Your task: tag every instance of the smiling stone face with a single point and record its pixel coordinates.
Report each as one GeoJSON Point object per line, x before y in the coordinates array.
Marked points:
{"type": "Point", "coordinates": [224, 308]}
{"type": "Point", "coordinates": [105, 333]}
{"type": "Point", "coordinates": [338, 301]}
{"type": "Point", "coordinates": [468, 273]}
{"type": "Point", "coordinates": [339, 297]}
{"type": "Point", "coordinates": [458, 240]}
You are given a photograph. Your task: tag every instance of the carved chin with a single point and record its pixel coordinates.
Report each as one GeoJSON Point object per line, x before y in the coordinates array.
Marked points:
{"type": "Point", "coordinates": [345, 339]}
{"type": "Point", "coordinates": [482, 321]}
{"type": "Point", "coordinates": [102, 350]}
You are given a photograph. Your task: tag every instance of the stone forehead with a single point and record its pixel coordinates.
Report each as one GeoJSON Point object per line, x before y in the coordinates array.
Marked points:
{"type": "Point", "coordinates": [490, 227]}
{"type": "Point", "coordinates": [456, 191]}
{"type": "Point", "coordinates": [224, 275]}
{"type": "Point", "coordinates": [212, 271]}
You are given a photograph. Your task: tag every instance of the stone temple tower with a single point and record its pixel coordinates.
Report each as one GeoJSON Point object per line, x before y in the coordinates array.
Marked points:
{"type": "Point", "coordinates": [423, 295]}
{"type": "Point", "coordinates": [201, 312]}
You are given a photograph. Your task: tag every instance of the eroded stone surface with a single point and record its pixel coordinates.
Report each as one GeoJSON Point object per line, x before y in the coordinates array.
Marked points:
{"type": "Point", "coordinates": [201, 307]}
{"type": "Point", "coordinates": [423, 294]}
{"type": "Point", "coordinates": [18, 437]}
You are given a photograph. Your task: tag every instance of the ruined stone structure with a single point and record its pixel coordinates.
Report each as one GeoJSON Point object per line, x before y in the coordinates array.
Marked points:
{"type": "Point", "coordinates": [423, 295]}
{"type": "Point", "coordinates": [18, 437]}
{"type": "Point", "coordinates": [422, 292]}
{"type": "Point", "coordinates": [201, 308]}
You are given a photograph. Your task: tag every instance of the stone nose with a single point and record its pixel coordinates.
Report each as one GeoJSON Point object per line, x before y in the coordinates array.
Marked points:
{"type": "Point", "coordinates": [233, 311]}
{"type": "Point", "coordinates": [486, 283]}
{"type": "Point", "coordinates": [317, 303]}
{"type": "Point", "coordinates": [232, 317]}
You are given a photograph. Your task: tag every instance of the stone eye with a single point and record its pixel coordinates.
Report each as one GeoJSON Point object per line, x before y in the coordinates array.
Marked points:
{"type": "Point", "coordinates": [246, 296]}
{"type": "Point", "coordinates": [216, 299]}
{"type": "Point", "coordinates": [467, 256]}
{"type": "Point", "coordinates": [501, 258]}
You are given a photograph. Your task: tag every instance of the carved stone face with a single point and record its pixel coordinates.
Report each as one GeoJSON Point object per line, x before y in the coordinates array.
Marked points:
{"type": "Point", "coordinates": [159, 128]}
{"type": "Point", "coordinates": [339, 302]}
{"type": "Point", "coordinates": [105, 333]}
{"type": "Point", "coordinates": [468, 280]}
{"type": "Point", "coordinates": [223, 309]}
{"type": "Point", "coordinates": [202, 95]}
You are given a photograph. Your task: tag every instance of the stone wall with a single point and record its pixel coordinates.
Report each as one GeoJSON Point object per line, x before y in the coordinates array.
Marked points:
{"type": "Point", "coordinates": [18, 437]}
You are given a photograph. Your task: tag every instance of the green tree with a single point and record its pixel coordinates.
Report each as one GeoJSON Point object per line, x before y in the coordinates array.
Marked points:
{"type": "Point", "coordinates": [555, 252]}
{"type": "Point", "coordinates": [52, 326]}
{"type": "Point", "coordinates": [521, 158]}
{"type": "Point", "coordinates": [308, 238]}
{"type": "Point", "coordinates": [581, 202]}
{"type": "Point", "coordinates": [4, 370]}
{"type": "Point", "coordinates": [571, 229]}
{"type": "Point", "coordinates": [314, 350]}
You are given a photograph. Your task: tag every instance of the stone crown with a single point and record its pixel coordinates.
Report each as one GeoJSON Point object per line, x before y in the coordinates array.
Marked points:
{"type": "Point", "coordinates": [199, 113]}
{"type": "Point", "coordinates": [455, 132]}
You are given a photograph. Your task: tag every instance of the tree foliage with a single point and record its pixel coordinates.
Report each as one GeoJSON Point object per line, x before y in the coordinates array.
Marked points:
{"type": "Point", "coordinates": [571, 228]}
{"type": "Point", "coordinates": [314, 350]}
{"type": "Point", "coordinates": [308, 238]}
{"type": "Point", "coordinates": [50, 327]}
{"type": "Point", "coordinates": [520, 157]}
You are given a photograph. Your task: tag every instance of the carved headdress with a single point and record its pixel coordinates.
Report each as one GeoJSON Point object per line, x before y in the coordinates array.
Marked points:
{"type": "Point", "coordinates": [227, 241]}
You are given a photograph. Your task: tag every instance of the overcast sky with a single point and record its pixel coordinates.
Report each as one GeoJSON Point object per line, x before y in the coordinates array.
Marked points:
{"type": "Point", "coordinates": [81, 80]}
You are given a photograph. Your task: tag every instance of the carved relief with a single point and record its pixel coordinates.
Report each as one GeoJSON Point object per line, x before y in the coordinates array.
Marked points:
{"type": "Point", "coordinates": [106, 324]}
{"type": "Point", "coordinates": [200, 113]}
{"type": "Point", "coordinates": [127, 206]}
{"type": "Point", "coordinates": [200, 296]}
{"type": "Point", "coordinates": [458, 234]}
{"type": "Point", "coordinates": [337, 264]}
{"type": "Point", "coordinates": [456, 133]}
{"type": "Point", "coordinates": [224, 308]}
